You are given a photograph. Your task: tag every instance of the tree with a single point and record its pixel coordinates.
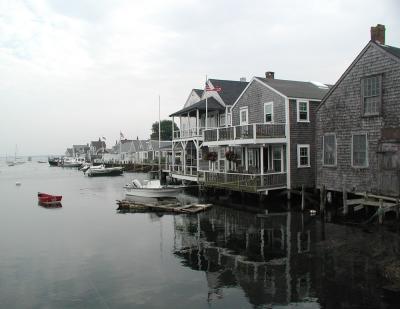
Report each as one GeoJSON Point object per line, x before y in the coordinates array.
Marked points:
{"type": "Point", "coordinates": [166, 130]}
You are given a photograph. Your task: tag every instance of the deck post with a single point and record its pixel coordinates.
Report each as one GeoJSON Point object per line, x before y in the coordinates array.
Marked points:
{"type": "Point", "coordinates": [345, 206]}
{"type": "Point", "coordinates": [381, 212]}
{"type": "Point", "coordinates": [322, 199]}
{"type": "Point", "coordinates": [303, 198]}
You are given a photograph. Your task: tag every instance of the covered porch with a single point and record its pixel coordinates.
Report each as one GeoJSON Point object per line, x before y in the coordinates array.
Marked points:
{"type": "Point", "coordinates": [192, 119]}
{"type": "Point", "coordinates": [250, 168]}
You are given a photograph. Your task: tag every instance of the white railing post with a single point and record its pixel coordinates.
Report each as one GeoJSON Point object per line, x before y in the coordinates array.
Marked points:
{"type": "Point", "coordinates": [254, 132]}
{"type": "Point", "coordinates": [217, 134]}
{"type": "Point", "coordinates": [234, 133]}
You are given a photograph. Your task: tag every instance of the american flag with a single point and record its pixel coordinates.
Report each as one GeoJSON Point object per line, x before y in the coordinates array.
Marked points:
{"type": "Point", "coordinates": [216, 88]}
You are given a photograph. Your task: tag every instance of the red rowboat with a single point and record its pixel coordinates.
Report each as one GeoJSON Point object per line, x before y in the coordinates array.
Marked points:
{"type": "Point", "coordinates": [45, 198]}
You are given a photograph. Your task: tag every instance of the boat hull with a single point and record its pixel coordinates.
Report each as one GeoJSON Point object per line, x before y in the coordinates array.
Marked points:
{"type": "Point", "coordinates": [48, 199]}
{"type": "Point", "coordinates": [111, 171]}
{"type": "Point", "coordinates": [154, 192]}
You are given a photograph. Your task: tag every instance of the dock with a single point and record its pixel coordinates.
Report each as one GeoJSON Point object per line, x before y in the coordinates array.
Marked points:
{"type": "Point", "coordinates": [162, 207]}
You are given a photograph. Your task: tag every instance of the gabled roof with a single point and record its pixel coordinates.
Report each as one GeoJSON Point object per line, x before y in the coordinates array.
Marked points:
{"type": "Point", "coordinates": [296, 89]}
{"type": "Point", "coordinates": [394, 52]}
{"type": "Point", "coordinates": [391, 49]}
{"type": "Point", "coordinates": [199, 92]}
{"type": "Point", "coordinates": [230, 89]}
{"type": "Point", "coordinates": [212, 104]}
{"type": "Point", "coordinates": [163, 144]}
{"type": "Point", "coordinates": [98, 144]}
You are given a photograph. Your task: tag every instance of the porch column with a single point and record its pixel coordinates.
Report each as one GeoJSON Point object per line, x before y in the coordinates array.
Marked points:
{"type": "Point", "coordinates": [226, 117]}
{"type": "Point", "coordinates": [188, 119]}
{"type": "Point", "coordinates": [184, 158]}
{"type": "Point", "coordinates": [197, 122]}
{"type": "Point", "coordinates": [246, 159]}
{"type": "Point", "coordinates": [173, 133]}
{"type": "Point", "coordinates": [173, 155]}
{"type": "Point", "coordinates": [262, 159]}
{"type": "Point", "coordinates": [262, 164]}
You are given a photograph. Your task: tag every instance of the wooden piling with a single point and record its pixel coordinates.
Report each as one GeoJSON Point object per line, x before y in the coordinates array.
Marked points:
{"type": "Point", "coordinates": [381, 212]}
{"type": "Point", "coordinates": [345, 206]}
{"type": "Point", "coordinates": [303, 198]}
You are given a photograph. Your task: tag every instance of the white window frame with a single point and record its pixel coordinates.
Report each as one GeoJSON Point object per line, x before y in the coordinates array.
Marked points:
{"type": "Point", "coordinates": [244, 109]}
{"type": "Point", "coordinates": [366, 150]}
{"type": "Point", "coordinates": [298, 110]}
{"type": "Point", "coordinates": [222, 120]}
{"type": "Point", "coordinates": [299, 165]}
{"type": "Point", "coordinates": [272, 111]}
{"type": "Point", "coordinates": [323, 150]}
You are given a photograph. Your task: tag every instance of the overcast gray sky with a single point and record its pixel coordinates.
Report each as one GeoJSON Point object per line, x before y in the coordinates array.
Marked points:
{"type": "Point", "coordinates": [71, 71]}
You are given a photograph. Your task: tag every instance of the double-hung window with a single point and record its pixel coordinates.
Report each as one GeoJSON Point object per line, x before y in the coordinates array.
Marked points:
{"type": "Point", "coordinates": [244, 115]}
{"type": "Point", "coordinates": [371, 94]}
{"type": "Point", "coordinates": [359, 146]}
{"type": "Point", "coordinates": [329, 149]}
{"type": "Point", "coordinates": [303, 111]}
{"type": "Point", "coordinates": [303, 155]}
{"type": "Point", "coordinates": [268, 112]}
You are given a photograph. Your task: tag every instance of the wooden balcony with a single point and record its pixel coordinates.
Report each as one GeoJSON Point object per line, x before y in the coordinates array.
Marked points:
{"type": "Point", "coordinates": [245, 182]}
{"type": "Point", "coordinates": [245, 132]}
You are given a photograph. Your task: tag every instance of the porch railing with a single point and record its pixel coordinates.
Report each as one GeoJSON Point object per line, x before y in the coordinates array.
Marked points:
{"type": "Point", "coordinates": [187, 133]}
{"type": "Point", "coordinates": [186, 171]}
{"type": "Point", "coordinates": [249, 131]}
{"type": "Point", "coordinates": [244, 182]}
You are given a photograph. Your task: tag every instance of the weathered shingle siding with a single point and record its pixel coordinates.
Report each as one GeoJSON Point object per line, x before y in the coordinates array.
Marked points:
{"type": "Point", "coordinates": [342, 114]}
{"type": "Point", "coordinates": [302, 133]}
{"type": "Point", "coordinates": [254, 97]}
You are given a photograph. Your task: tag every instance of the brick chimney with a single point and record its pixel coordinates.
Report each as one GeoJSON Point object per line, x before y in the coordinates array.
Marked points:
{"type": "Point", "coordinates": [270, 75]}
{"type": "Point", "coordinates": [378, 34]}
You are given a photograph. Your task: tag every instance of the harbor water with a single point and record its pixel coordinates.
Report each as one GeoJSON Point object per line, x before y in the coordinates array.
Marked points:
{"type": "Point", "coordinates": [86, 254]}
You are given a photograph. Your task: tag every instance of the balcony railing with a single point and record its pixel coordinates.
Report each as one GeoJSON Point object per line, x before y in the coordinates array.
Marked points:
{"type": "Point", "coordinates": [249, 131]}
{"type": "Point", "coordinates": [186, 171]}
{"type": "Point", "coordinates": [188, 133]}
{"type": "Point", "coordinates": [245, 182]}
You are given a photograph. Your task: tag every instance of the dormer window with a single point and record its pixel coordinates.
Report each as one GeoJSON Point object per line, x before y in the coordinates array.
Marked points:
{"type": "Point", "coordinates": [371, 93]}
{"type": "Point", "coordinates": [303, 111]}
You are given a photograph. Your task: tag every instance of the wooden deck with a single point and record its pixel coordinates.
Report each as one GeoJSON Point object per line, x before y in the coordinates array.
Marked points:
{"type": "Point", "coordinates": [162, 207]}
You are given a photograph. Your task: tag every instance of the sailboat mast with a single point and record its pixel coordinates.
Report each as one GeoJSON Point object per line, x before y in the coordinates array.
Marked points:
{"type": "Point", "coordinates": [159, 135]}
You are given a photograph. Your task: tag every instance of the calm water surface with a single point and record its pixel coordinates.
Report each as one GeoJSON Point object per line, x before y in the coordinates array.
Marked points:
{"type": "Point", "coordinates": [87, 255]}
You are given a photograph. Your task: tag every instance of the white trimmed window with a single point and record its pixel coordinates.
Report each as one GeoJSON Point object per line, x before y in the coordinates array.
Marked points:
{"type": "Point", "coordinates": [329, 149]}
{"type": "Point", "coordinates": [371, 94]}
{"type": "Point", "coordinates": [303, 111]}
{"type": "Point", "coordinates": [222, 120]}
{"type": "Point", "coordinates": [303, 155]}
{"type": "Point", "coordinates": [244, 115]}
{"type": "Point", "coordinates": [359, 147]}
{"type": "Point", "coordinates": [268, 112]}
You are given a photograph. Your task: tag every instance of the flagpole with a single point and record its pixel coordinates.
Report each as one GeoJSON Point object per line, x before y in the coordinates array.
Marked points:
{"type": "Point", "coordinates": [206, 104]}
{"type": "Point", "coordinates": [159, 136]}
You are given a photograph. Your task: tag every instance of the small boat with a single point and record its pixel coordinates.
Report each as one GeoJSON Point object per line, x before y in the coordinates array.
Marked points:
{"type": "Point", "coordinates": [53, 161]}
{"type": "Point", "coordinates": [73, 162]}
{"type": "Point", "coordinates": [151, 188]}
{"type": "Point", "coordinates": [41, 161]}
{"type": "Point", "coordinates": [47, 199]}
{"type": "Point", "coordinates": [101, 170]}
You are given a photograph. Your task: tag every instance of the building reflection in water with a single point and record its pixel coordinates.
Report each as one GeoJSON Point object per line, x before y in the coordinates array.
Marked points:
{"type": "Point", "coordinates": [268, 257]}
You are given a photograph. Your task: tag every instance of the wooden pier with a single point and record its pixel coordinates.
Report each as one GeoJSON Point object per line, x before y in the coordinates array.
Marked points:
{"type": "Point", "coordinates": [162, 207]}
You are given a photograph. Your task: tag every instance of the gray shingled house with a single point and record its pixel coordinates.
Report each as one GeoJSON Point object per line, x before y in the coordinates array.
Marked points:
{"type": "Point", "coordinates": [269, 143]}
{"type": "Point", "coordinates": [358, 123]}
{"type": "Point", "coordinates": [187, 142]}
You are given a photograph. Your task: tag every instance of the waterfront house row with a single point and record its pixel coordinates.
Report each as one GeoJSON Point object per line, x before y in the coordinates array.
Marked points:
{"type": "Point", "coordinates": [140, 152]}
{"type": "Point", "coordinates": [261, 139]}
{"type": "Point", "coordinates": [358, 123]}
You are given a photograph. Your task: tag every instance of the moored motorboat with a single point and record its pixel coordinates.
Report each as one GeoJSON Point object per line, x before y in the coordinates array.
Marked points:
{"type": "Point", "coordinates": [101, 170]}
{"type": "Point", "coordinates": [48, 199]}
{"type": "Point", "coordinates": [54, 161]}
{"type": "Point", "coordinates": [152, 188]}
{"type": "Point", "coordinates": [73, 162]}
